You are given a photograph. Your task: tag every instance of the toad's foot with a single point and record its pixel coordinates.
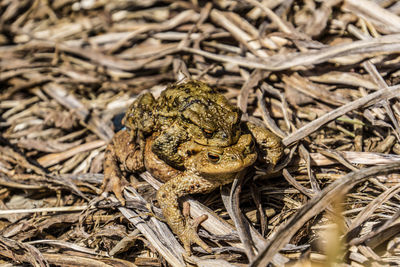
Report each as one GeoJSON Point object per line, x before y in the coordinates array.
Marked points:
{"type": "Point", "coordinates": [270, 148]}
{"type": "Point", "coordinates": [121, 151]}
{"type": "Point", "coordinates": [189, 235]}
{"type": "Point", "coordinates": [116, 186]}
{"type": "Point", "coordinates": [113, 178]}
{"type": "Point", "coordinates": [181, 225]}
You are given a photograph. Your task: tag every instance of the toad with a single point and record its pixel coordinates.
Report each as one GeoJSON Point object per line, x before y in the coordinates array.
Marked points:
{"type": "Point", "coordinates": [194, 145]}
{"type": "Point", "coordinates": [206, 168]}
{"type": "Point", "coordinates": [186, 111]}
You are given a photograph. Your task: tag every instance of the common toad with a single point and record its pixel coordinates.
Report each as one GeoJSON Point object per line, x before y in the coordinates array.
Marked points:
{"type": "Point", "coordinates": [170, 141]}
{"type": "Point", "coordinates": [206, 168]}
{"type": "Point", "coordinates": [187, 111]}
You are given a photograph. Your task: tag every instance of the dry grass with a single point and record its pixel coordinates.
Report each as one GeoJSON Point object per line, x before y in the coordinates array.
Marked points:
{"type": "Point", "coordinates": [323, 75]}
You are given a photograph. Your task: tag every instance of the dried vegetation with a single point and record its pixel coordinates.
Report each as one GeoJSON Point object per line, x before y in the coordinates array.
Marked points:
{"type": "Point", "coordinates": [322, 75]}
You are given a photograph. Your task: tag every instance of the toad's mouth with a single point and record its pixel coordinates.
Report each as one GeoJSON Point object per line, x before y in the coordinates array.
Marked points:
{"type": "Point", "coordinates": [231, 159]}
{"type": "Point", "coordinates": [225, 166]}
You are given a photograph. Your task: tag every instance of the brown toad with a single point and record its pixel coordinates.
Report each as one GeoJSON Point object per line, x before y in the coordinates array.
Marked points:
{"type": "Point", "coordinates": [206, 168]}
{"type": "Point", "coordinates": [183, 112]}
{"type": "Point", "coordinates": [194, 145]}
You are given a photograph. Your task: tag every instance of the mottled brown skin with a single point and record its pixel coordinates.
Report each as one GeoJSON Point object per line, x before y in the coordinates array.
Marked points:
{"type": "Point", "coordinates": [169, 140]}
{"type": "Point", "coordinates": [207, 169]}
{"type": "Point", "coordinates": [188, 111]}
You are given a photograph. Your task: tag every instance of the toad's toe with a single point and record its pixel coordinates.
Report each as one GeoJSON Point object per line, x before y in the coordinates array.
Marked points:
{"type": "Point", "coordinates": [189, 235]}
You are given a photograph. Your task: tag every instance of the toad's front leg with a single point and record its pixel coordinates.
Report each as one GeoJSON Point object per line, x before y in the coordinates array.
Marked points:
{"type": "Point", "coordinates": [167, 197]}
{"type": "Point", "coordinates": [122, 154]}
{"type": "Point", "coordinates": [270, 148]}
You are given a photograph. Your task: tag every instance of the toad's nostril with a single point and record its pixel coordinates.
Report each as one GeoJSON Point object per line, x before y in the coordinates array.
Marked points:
{"type": "Point", "coordinates": [213, 157]}
{"type": "Point", "coordinates": [252, 144]}
{"type": "Point", "coordinates": [250, 148]}
{"type": "Point", "coordinates": [190, 152]}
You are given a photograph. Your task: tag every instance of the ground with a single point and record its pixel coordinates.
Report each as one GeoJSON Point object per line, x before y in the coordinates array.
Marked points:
{"type": "Point", "coordinates": [322, 75]}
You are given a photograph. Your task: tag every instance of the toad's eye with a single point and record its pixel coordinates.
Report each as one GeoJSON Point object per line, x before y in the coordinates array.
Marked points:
{"type": "Point", "coordinates": [208, 133]}
{"type": "Point", "coordinates": [213, 157]}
